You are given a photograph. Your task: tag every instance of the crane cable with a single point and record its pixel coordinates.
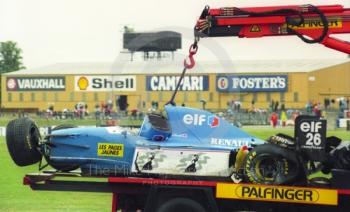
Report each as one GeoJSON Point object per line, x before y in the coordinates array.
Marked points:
{"type": "Point", "coordinates": [187, 65]}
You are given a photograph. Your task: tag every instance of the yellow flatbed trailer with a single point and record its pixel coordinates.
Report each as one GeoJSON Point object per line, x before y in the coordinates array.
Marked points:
{"type": "Point", "coordinates": [160, 194]}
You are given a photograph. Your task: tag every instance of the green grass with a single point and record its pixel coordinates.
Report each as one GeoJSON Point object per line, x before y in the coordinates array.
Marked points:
{"type": "Point", "coordinates": [16, 197]}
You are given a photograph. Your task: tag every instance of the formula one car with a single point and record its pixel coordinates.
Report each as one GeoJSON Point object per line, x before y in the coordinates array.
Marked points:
{"type": "Point", "coordinates": [184, 142]}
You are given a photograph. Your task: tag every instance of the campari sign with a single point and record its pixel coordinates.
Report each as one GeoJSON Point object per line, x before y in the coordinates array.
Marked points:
{"type": "Point", "coordinates": [168, 83]}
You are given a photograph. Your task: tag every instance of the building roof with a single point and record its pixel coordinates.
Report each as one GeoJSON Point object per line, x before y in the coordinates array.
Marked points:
{"type": "Point", "coordinates": [175, 67]}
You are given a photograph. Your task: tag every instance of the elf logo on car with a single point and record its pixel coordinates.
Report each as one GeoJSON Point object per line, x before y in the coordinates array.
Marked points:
{"type": "Point", "coordinates": [213, 121]}
{"type": "Point", "coordinates": [312, 130]}
{"type": "Point", "coordinates": [311, 136]}
{"type": "Point", "coordinates": [199, 119]}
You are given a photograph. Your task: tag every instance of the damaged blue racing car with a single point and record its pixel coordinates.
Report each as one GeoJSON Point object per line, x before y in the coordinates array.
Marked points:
{"type": "Point", "coordinates": [183, 141]}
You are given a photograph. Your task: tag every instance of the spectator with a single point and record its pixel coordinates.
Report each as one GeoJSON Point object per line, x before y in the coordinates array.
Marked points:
{"type": "Point", "coordinates": [327, 103]}
{"type": "Point", "coordinates": [308, 107]}
{"type": "Point", "coordinates": [283, 107]}
{"type": "Point", "coordinates": [317, 110]}
{"type": "Point", "coordinates": [238, 105]}
{"type": "Point", "coordinates": [274, 119]}
{"type": "Point", "coordinates": [276, 106]}
{"type": "Point", "coordinates": [272, 105]}
{"type": "Point", "coordinates": [134, 113]}
{"type": "Point", "coordinates": [284, 118]}
{"type": "Point", "coordinates": [97, 111]}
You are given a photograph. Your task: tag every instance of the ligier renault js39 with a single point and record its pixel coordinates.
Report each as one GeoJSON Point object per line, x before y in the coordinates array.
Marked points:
{"type": "Point", "coordinates": [184, 142]}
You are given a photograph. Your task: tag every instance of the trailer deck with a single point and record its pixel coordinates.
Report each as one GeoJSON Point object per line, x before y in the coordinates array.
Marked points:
{"type": "Point", "coordinates": [131, 193]}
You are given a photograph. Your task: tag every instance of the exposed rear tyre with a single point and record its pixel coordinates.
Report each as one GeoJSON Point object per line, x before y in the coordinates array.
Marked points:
{"type": "Point", "coordinates": [271, 164]}
{"type": "Point", "coordinates": [181, 204]}
{"type": "Point", "coordinates": [22, 138]}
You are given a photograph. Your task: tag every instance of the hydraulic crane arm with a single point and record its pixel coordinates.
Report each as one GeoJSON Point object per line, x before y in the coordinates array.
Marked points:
{"type": "Point", "coordinates": [313, 24]}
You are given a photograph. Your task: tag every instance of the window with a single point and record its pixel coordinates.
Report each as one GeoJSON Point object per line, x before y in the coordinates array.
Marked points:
{"type": "Point", "coordinates": [9, 97]}
{"type": "Point", "coordinates": [255, 97]}
{"type": "Point", "coordinates": [198, 96]}
{"type": "Point", "coordinates": [296, 97]}
{"type": "Point", "coordinates": [71, 96]}
{"type": "Point", "coordinates": [83, 97]}
{"type": "Point", "coordinates": [185, 96]}
{"type": "Point", "coordinates": [32, 97]}
{"type": "Point", "coordinates": [160, 97]}
{"type": "Point", "coordinates": [96, 97]}
{"type": "Point", "coordinates": [109, 96]}
{"type": "Point", "coordinates": [241, 97]}
{"type": "Point", "coordinates": [211, 96]}
{"type": "Point", "coordinates": [268, 97]}
{"type": "Point", "coordinates": [21, 97]}
{"type": "Point", "coordinates": [282, 98]}
{"type": "Point", "coordinates": [56, 97]}
{"type": "Point", "coordinates": [44, 96]}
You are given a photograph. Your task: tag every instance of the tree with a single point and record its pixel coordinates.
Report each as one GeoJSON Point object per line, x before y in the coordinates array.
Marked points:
{"type": "Point", "coordinates": [10, 57]}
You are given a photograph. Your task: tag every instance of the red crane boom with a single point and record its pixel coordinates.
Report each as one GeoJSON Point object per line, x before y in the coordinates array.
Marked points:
{"type": "Point", "coordinates": [313, 24]}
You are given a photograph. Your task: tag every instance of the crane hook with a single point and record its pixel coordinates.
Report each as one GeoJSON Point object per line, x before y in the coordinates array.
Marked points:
{"type": "Point", "coordinates": [192, 51]}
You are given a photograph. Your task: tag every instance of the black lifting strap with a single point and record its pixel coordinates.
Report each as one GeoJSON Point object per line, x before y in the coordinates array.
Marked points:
{"type": "Point", "coordinates": [324, 25]}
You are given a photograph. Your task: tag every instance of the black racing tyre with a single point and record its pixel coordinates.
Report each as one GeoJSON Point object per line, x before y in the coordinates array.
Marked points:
{"type": "Point", "coordinates": [332, 143]}
{"type": "Point", "coordinates": [64, 126]}
{"type": "Point", "coordinates": [282, 140]}
{"type": "Point", "coordinates": [271, 164]}
{"type": "Point", "coordinates": [180, 204]}
{"type": "Point", "coordinates": [22, 138]}
{"type": "Point", "coordinates": [342, 158]}
{"type": "Point", "coordinates": [60, 166]}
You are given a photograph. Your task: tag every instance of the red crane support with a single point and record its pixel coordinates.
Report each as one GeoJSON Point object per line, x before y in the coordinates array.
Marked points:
{"type": "Point", "coordinates": [313, 24]}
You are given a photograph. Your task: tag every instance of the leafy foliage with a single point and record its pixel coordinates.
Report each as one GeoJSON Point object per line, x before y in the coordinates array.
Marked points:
{"type": "Point", "coordinates": [10, 57]}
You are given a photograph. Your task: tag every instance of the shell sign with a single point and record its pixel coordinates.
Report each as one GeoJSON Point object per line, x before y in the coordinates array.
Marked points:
{"type": "Point", "coordinates": [83, 83]}
{"type": "Point", "coordinates": [105, 83]}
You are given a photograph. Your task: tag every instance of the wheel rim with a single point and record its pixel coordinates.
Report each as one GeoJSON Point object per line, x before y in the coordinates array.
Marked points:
{"type": "Point", "coordinates": [34, 136]}
{"type": "Point", "coordinates": [267, 168]}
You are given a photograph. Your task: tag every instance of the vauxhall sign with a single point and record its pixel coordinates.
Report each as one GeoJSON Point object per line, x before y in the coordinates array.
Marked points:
{"type": "Point", "coordinates": [35, 83]}
{"type": "Point", "coordinates": [252, 83]}
{"type": "Point", "coordinates": [168, 83]}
